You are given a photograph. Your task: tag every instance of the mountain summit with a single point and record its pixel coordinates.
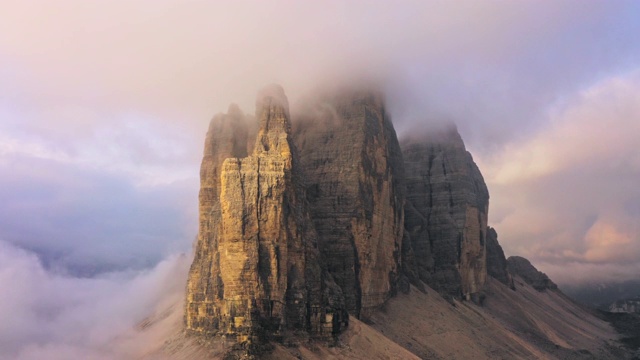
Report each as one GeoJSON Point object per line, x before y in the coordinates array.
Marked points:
{"type": "Point", "coordinates": [324, 236]}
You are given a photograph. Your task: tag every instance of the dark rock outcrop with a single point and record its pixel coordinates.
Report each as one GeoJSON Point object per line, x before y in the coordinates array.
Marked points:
{"type": "Point", "coordinates": [353, 167]}
{"type": "Point", "coordinates": [446, 212]}
{"type": "Point", "coordinates": [519, 266]}
{"type": "Point", "coordinates": [257, 271]}
{"type": "Point", "coordinates": [496, 261]}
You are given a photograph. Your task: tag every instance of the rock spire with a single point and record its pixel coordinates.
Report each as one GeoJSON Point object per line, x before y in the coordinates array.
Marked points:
{"type": "Point", "coordinates": [446, 212]}
{"type": "Point", "coordinates": [257, 272]}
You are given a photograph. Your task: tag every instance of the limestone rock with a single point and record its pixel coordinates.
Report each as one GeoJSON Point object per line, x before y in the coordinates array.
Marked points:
{"type": "Point", "coordinates": [446, 212]}
{"type": "Point", "coordinates": [519, 266]}
{"type": "Point", "coordinates": [228, 136]}
{"type": "Point", "coordinates": [353, 167]}
{"type": "Point", "coordinates": [496, 261]}
{"type": "Point", "coordinates": [257, 273]}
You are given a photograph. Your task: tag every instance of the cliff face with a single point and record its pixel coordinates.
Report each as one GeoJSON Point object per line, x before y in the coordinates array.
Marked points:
{"type": "Point", "coordinates": [227, 137]}
{"type": "Point", "coordinates": [446, 213]}
{"type": "Point", "coordinates": [353, 166]}
{"type": "Point", "coordinates": [299, 227]}
{"type": "Point", "coordinates": [257, 271]}
{"type": "Point", "coordinates": [519, 266]}
{"type": "Point", "coordinates": [496, 262]}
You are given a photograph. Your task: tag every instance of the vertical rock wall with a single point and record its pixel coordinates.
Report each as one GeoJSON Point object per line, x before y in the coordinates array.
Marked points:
{"type": "Point", "coordinates": [446, 212]}
{"type": "Point", "coordinates": [353, 167]}
{"type": "Point", "coordinates": [228, 136]}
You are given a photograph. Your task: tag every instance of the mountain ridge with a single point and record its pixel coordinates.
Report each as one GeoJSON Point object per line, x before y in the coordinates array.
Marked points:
{"type": "Point", "coordinates": [329, 219]}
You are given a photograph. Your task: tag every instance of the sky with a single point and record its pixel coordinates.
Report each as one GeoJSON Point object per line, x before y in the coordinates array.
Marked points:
{"type": "Point", "coordinates": [104, 106]}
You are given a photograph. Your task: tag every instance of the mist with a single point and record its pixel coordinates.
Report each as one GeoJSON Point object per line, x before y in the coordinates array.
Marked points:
{"type": "Point", "coordinates": [55, 316]}
{"type": "Point", "coordinates": [104, 107]}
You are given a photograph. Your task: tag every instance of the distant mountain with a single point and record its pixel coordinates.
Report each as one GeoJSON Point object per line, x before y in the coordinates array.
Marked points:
{"type": "Point", "coordinates": [601, 295]}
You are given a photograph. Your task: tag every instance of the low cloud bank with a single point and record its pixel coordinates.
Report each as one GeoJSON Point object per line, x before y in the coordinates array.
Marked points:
{"type": "Point", "coordinates": [51, 316]}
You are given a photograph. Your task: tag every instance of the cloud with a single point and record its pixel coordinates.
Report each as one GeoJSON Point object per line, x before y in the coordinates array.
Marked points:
{"type": "Point", "coordinates": [565, 197]}
{"type": "Point", "coordinates": [53, 316]}
{"type": "Point", "coordinates": [88, 221]}
{"type": "Point", "coordinates": [135, 145]}
{"type": "Point", "coordinates": [490, 66]}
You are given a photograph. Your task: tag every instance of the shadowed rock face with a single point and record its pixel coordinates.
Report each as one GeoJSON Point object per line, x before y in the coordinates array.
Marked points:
{"type": "Point", "coordinates": [353, 167]}
{"type": "Point", "coordinates": [496, 261]}
{"type": "Point", "coordinates": [257, 271]}
{"type": "Point", "coordinates": [519, 266]}
{"type": "Point", "coordinates": [446, 213]}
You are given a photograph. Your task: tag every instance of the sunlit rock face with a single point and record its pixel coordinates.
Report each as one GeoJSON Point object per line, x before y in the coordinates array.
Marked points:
{"type": "Point", "coordinates": [227, 137]}
{"type": "Point", "coordinates": [353, 167]}
{"type": "Point", "coordinates": [496, 262]}
{"type": "Point", "coordinates": [519, 266]}
{"type": "Point", "coordinates": [257, 272]}
{"type": "Point", "coordinates": [446, 212]}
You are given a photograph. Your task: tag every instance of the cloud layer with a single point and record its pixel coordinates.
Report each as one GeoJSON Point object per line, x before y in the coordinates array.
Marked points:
{"type": "Point", "coordinates": [52, 316]}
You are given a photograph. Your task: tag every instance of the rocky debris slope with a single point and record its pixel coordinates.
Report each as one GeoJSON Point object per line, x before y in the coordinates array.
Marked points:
{"type": "Point", "coordinates": [257, 272]}
{"type": "Point", "coordinates": [497, 266]}
{"type": "Point", "coordinates": [521, 324]}
{"type": "Point", "coordinates": [446, 212]}
{"type": "Point", "coordinates": [519, 266]}
{"type": "Point", "coordinates": [353, 167]}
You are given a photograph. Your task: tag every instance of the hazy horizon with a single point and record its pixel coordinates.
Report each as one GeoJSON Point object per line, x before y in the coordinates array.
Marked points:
{"type": "Point", "coordinates": [104, 108]}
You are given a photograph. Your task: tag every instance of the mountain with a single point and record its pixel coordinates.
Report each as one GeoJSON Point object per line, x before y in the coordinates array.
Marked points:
{"type": "Point", "coordinates": [602, 294]}
{"type": "Point", "coordinates": [322, 235]}
{"type": "Point", "coordinates": [522, 267]}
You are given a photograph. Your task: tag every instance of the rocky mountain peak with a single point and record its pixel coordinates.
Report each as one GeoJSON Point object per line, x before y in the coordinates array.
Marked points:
{"type": "Point", "coordinates": [446, 212]}
{"type": "Point", "coordinates": [439, 134]}
{"type": "Point", "coordinates": [306, 220]}
{"type": "Point", "coordinates": [272, 111]}
{"type": "Point", "coordinates": [519, 266]}
{"type": "Point", "coordinates": [257, 273]}
{"type": "Point", "coordinates": [352, 162]}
